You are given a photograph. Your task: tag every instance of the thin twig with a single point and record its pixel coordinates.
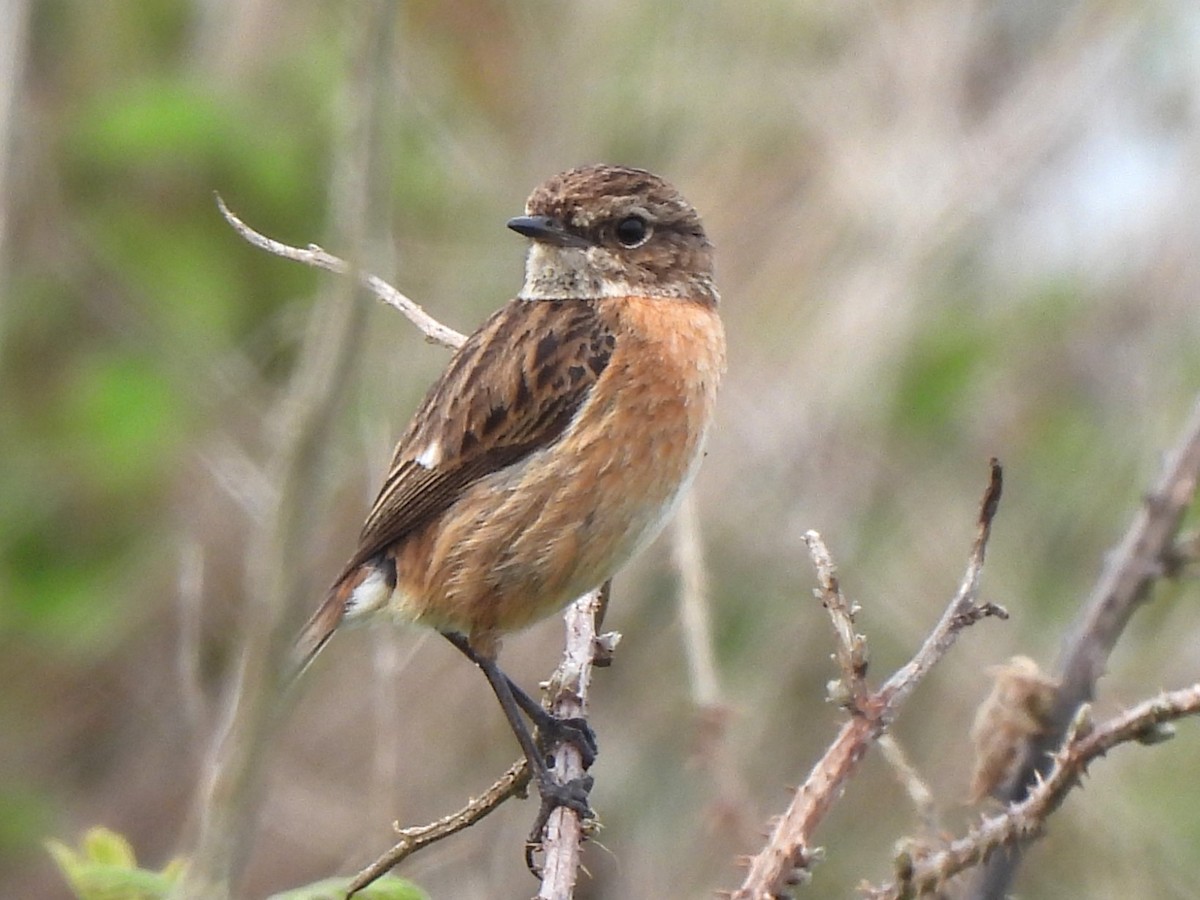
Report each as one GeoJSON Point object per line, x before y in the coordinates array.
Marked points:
{"type": "Point", "coordinates": [910, 779]}
{"type": "Point", "coordinates": [1142, 558]}
{"type": "Point", "coordinates": [190, 602]}
{"type": "Point", "coordinates": [312, 255]}
{"type": "Point", "coordinates": [712, 716]}
{"type": "Point", "coordinates": [921, 871]}
{"type": "Point", "coordinates": [963, 610]}
{"type": "Point", "coordinates": [787, 856]}
{"type": "Point", "coordinates": [851, 653]}
{"type": "Point", "coordinates": [512, 783]}
{"type": "Point", "coordinates": [14, 50]}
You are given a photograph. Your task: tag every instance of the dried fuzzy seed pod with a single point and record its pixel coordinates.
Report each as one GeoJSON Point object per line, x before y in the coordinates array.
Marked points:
{"type": "Point", "coordinates": [1015, 710]}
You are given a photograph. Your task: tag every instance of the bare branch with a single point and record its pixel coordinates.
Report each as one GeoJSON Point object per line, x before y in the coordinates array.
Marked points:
{"type": "Point", "coordinates": [851, 653]}
{"type": "Point", "coordinates": [567, 691]}
{"type": "Point", "coordinates": [1145, 554]}
{"type": "Point", "coordinates": [963, 610]}
{"type": "Point", "coordinates": [511, 783]}
{"type": "Point", "coordinates": [921, 871]}
{"type": "Point", "coordinates": [785, 859]}
{"type": "Point", "coordinates": [314, 256]}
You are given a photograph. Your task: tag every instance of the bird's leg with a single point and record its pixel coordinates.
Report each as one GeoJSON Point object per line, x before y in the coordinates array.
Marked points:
{"type": "Point", "coordinates": [574, 793]}
{"type": "Point", "coordinates": [550, 728]}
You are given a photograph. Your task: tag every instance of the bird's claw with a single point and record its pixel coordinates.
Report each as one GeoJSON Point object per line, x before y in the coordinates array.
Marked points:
{"type": "Point", "coordinates": [571, 794]}
{"type": "Point", "coordinates": [574, 730]}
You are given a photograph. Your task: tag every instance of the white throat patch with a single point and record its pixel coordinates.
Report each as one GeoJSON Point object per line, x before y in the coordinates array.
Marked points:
{"type": "Point", "coordinates": [564, 273]}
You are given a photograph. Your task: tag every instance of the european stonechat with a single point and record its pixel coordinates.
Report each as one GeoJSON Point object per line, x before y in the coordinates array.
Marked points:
{"type": "Point", "coordinates": [558, 440]}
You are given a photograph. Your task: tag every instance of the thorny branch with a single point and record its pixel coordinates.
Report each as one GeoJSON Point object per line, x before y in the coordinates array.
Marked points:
{"type": "Point", "coordinates": [922, 870]}
{"type": "Point", "coordinates": [1146, 554]}
{"type": "Point", "coordinates": [567, 688]}
{"type": "Point", "coordinates": [852, 691]}
{"type": "Point", "coordinates": [787, 856]}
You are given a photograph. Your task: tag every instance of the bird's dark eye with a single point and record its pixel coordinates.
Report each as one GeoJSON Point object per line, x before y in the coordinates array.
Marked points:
{"type": "Point", "coordinates": [633, 231]}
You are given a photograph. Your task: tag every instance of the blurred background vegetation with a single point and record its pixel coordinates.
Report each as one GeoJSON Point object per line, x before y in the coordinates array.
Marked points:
{"type": "Point", "coordinates": [945, 231]}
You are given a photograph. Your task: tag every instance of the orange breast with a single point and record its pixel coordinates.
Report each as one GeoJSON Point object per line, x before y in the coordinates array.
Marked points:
{"type": "Point", "coordinates": [523, 542]}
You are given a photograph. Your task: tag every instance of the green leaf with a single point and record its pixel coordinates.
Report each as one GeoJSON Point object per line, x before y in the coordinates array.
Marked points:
{"type": "Point", "coordinates": [105, 868]}
{"type": "Point", "coordinates": [389, 887]}
{"type": "Point", "coordinates": [103, 845]}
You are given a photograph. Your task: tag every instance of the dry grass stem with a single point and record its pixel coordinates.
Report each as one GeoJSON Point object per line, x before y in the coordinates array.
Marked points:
{"type": "Point", "coordinates": [228, 793]}
{"type": "Point", "coordinates": [912, 782]}
{"type": "Point", "coordinates": [688, 555]}
{"type": "Point", "coordinates": [729, 807]}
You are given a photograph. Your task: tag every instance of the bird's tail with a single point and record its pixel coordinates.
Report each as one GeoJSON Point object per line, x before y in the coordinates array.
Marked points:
{"type": "Point", "coordinates": [319, 628]}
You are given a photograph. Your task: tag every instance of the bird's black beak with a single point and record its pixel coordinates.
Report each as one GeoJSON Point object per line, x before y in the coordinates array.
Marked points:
{"type": "Point", "coordinates": [548, 230]}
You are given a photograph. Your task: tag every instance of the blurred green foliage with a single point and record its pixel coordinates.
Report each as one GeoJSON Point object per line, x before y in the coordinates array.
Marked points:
{"type": "Point", "coordinates": [126, 291]}
{"type": "Point", "coordinates": [111, 330]}
{"type": "Point", "coordinates": [105, 868]}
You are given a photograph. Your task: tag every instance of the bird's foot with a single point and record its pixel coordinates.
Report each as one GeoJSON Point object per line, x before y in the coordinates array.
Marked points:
{"type": "Point", "coordinates": [572, 794]}
{"type": "Point", "coordinates": [574, 730]}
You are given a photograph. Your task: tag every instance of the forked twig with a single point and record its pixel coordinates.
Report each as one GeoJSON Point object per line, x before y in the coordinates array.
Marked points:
{"type": "Point", "coordinates": [1146, 554]}
{"type": "Point", "coordinates": [921, 870]}
{"type": "Point", "coordinates": [787, 856]}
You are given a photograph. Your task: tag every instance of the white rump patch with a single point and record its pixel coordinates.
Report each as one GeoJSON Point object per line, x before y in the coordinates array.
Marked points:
{"type": "Point", "coordinates": [368, 596]}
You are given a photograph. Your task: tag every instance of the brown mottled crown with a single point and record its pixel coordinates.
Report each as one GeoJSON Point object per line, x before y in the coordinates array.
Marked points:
{"type": "Point", "coordinates": [597, 204]}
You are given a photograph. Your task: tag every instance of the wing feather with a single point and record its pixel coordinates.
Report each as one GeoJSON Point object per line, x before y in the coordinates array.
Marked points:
{"type": "Point", "coordinates": [510, 390]}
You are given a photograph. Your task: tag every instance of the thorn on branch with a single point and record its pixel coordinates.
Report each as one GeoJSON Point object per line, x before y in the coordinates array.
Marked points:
{"type": "Point", "coordinates": [1148, 550]}
{"type": "Point", "coordinates": [980, 611]}
{"type": "Point", "coordinates": [928, 868]}
{"type": "Point", "coordinates": [1180, 555]}
{"type": "Point", "coordinates": [787, 848]}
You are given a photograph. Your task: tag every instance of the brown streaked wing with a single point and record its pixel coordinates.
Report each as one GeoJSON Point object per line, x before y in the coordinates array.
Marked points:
{"type": "Point", "coordinates": [511, 389]}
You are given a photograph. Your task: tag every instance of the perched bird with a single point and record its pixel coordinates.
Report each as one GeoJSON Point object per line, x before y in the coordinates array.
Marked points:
{"type": "Point", "coordinates": [558, 440]}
